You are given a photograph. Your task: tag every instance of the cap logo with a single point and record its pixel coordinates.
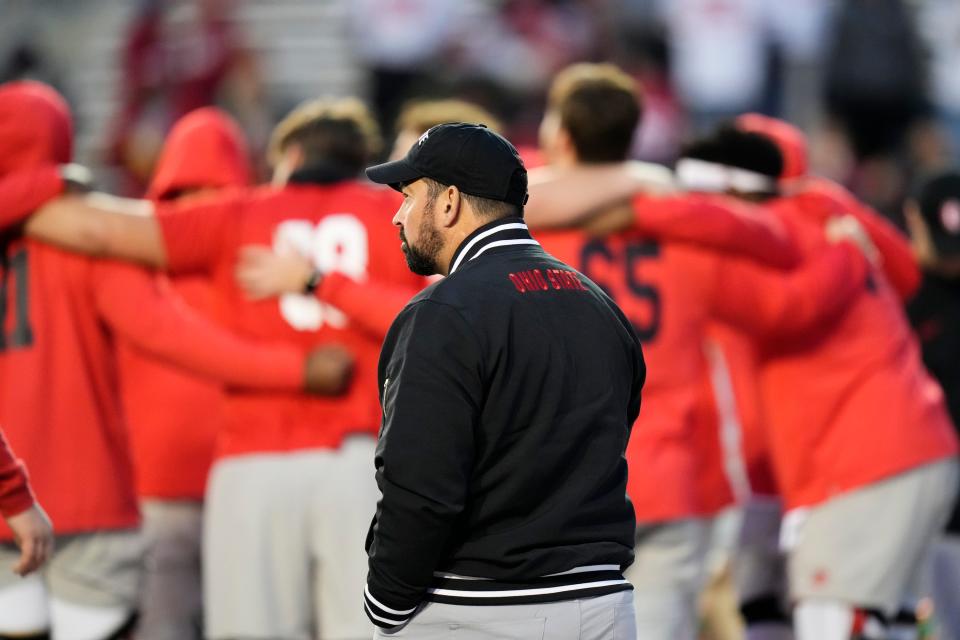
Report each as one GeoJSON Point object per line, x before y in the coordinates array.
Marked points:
{"type": "Point", "coordinates": [950, 216]}
{"type": "Point", "coordinates": [423, 138]}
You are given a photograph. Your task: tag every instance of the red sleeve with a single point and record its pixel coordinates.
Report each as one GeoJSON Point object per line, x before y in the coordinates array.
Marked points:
{"type": "Point", "coordinates": [899, 264]}
{"type": "Point", "coordinates": [22, 192]}
{"type": "Point", "coordinates": [155, 320]}
{"type": "Point", "coordinates": [196, 235]}
{"type": "Point", "coordinates": [373, 306]}
{"type": "Point", "coordinates": [15, 493]}
{"type": "Point", "coordinates": [767, 303]}
{"type": "Point", "coordinates": [717, 223]}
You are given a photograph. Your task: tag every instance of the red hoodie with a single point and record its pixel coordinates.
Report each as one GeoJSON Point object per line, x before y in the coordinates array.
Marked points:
{"type": "Point", "coordinates": [868, 409]}
{"type": "Point", "coordinates": [174, 416]}
{"type": "Point", "coordinates": [15, 493]}
{"type": "Point", "coordinates": [820, 198]}
{"type": "Point", "coordinates": [59, 401]}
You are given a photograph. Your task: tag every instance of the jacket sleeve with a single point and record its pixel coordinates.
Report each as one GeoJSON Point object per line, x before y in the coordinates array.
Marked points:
{"type": "Point", "coordinates": [15, 494]}
{"type": "Point", "coordinates": [899, 264]}
{"type": "Point", "coordinates": [25, 190]}
{"type": "Point", "coordinates": [157, 321]}
{"type": "Point", "coordinates": [431, 392]}
{"type": "Point", "coordinates": [371, 305]}
{"type": "Point", "coordinates": [773, 304]}
{"type": "Point", "coordinates": [720, 224]}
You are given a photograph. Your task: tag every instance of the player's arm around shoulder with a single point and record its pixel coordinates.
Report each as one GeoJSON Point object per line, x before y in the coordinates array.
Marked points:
{"type": "Point", "coordinates": [100, 225]}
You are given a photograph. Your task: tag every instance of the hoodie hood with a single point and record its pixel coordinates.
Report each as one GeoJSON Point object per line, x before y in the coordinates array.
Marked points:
{"type": "Point", "coordinates": [205, 149]}
{"type": "Point", "coordinates": [35, 126]}
{"type": "Point", "coordinates": [788, 138]}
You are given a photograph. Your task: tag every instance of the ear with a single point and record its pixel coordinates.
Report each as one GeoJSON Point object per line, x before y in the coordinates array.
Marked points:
{"type": "Point", "coordinates": [450, 203]}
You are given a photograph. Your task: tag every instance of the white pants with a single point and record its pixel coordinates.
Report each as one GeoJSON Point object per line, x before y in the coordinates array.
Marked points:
{"type": "Point", "coordinates": [867, 547]}
{"type": "Point", "coordinates": [283, 544]}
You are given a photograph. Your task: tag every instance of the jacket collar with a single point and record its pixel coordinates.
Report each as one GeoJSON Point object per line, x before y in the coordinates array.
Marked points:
{"type": "Point", "coordinates": [499, 233]}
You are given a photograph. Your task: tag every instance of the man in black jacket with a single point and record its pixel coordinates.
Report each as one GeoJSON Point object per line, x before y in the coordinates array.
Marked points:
{"type": "Point", "coordinates": [508, 393]}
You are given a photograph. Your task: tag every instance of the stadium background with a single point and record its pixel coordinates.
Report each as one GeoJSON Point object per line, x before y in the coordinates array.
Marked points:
{"type": "Point", "coordinates": [130, 68]}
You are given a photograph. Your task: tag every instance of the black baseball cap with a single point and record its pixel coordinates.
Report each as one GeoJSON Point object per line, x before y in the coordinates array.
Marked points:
{"type": "Point", "coordinates": [939, 202]}
{"type": "Point", "coordinates": [469, 156]}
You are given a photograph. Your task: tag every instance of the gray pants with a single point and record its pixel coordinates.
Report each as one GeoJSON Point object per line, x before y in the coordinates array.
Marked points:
{"type": "Point", "coordinates": [171, 604]}
{"type": "Point", "coordinates": [946, 586]}
{"type": "Point", "coordinates": [602, 618]}
{"type": "Point", "coordinates": [667, 575]}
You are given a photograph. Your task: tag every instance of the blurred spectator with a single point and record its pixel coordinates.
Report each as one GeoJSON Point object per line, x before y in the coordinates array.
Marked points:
{"type": "Point", "coordinates": [27, 62]}
{"type": "Point", "coordinates": [718, 57]}
{"type": "Point", "coordinates": [875, 92]}
{"type": "Point", "coordinates": [645, 56]}
{"type": "Point", "coordinates": [402, 42]}
{"type": "Point", "coordinates": [518, 47]}
{"type": "Point", "coordinates": [795, 30]}
{"type": "Point", "coordinates": [939, 22]}
{"type": "Point", "coordinates": [875, 77]}
{"type": "Point", "coordinates": [171, 68]}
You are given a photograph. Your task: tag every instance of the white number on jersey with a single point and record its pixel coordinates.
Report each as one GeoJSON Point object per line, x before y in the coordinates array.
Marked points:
{"type": "Point", "coordinates": [338, 242]}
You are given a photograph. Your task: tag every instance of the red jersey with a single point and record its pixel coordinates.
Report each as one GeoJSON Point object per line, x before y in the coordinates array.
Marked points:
{"type": "Point", "coordinates": [15, 493]}
{"type": "Point", "coordinates": [899, 266]}
{"type": "Point", "coordinates": [59, 402]}
{"type": "Point", "coordinates": [62, 311]}
{"type": "Point", "coordinates": [174, 415]}
{"type": "Point", "coordinates": [851, 405]}
{"type": "Point", "coordinates": [670, 291]}
{"type": "Point", "coordinates": [899, 263]}
{"type": "Point", "coordinates": [345, 227]}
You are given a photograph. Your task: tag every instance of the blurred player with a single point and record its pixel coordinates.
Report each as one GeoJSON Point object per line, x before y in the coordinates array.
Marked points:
{"type": "Point", "coordinates": [858, 433]}
{"type": "Point", "coordinates": [290, 496]}
{"type": "Point", "coordinates": [60, 406]}
{"type": "Point", "coordinates": [174, 416]}
{"type": "Point", "coordinates": [670, 291]}
{"type": "Point", "coordinates": [760, 570]}
{"type": "Point", "coordinates": [263, 273]}
{"type": "Point", "coordinates": [933, 219]}
{"type": "Point", "coordinates": [30, 525]}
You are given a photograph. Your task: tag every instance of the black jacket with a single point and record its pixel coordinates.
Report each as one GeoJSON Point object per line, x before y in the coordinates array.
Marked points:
{"type": "Point", "coordinates": [508, 391]}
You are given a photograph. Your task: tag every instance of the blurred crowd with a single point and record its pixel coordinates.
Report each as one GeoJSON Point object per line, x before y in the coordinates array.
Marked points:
{"type": "Point", "coordinates": [870, 80]}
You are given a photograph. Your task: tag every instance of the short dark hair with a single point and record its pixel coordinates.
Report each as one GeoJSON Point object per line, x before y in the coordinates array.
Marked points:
{"type": "Point", "coordinates": [340, 131]}
{"type": "Point", "coordinates": [749, 150]}
{"type": "Point", "coordinates": [485, 208]}
{"type": "Point", "coordinates": [600, 106]}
